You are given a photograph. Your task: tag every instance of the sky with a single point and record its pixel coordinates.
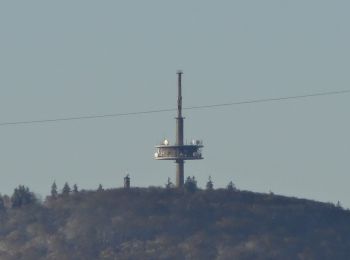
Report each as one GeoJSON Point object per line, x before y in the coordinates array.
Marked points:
{"type": "Point", "coordinates": [76, 58]}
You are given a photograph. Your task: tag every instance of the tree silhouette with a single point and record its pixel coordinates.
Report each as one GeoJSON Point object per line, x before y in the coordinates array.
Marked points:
{"type": "Point", "coordinates": [22, 196]}
{"type": "Point", "coordinates": [66, 189]}
{"type": "Point", "coordinates": [190, 184]}
{"type": "Point", "coordinates": [231, 186]}
{"type": "Point", "coordinates": [75, 189]}
{"type": "Point", "coordinates": [54, 192]}
{"type": "Point", "coordinates": [210, 185]}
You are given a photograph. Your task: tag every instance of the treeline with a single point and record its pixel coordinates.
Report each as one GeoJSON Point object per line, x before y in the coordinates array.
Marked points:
{"type": "Point", "coordinates": [23, 196]}
{"type": "Point", "coordinates": [169, 223]}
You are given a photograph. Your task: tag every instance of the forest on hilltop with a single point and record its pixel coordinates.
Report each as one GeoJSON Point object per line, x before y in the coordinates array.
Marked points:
{"type": "Point", "coordinates": [166, 223]}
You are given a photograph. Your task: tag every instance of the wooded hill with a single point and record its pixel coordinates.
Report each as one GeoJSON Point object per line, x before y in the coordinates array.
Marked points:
{"type": "Point", "coordinates": [159, 223]}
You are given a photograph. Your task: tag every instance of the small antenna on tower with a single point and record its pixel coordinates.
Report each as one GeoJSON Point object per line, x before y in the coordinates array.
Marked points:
{"type": "Point", "coordinates": [179, 95]}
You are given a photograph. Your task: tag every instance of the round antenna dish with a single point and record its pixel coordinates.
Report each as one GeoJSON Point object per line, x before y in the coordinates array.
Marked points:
{"type": "Point", "coordinates": [156, 155]}
{"type": "Point", "coordinates": [166, 142]}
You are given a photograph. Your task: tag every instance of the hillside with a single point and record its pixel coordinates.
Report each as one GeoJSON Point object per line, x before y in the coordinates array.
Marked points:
{"type": "Point", "coordinates": [157, 223]}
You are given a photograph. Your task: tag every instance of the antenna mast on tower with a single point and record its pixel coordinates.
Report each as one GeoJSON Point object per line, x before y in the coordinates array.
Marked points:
{"type": "Point", "coordinates": [179, 151]}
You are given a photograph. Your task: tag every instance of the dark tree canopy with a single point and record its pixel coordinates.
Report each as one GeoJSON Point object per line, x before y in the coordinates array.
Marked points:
{"type": "Point", "coordinates": [231, 186]}
{"type": "Point", "coordinates": [210, 184]}
{"type": "Point", "coordinates": [190, 184]}
{"type": "Point", "coordinates": [22, 196]}
{"type": "Point", "coordinates": [100, 188]}
{"type": "Point", "coordinates": [159, 223]}
{"type": "Point", "coordinates": [75, 189]}
{"type": "Point", "coordinates": [66, 189]}
{"type": "Point", "coordinates": [54, 192]}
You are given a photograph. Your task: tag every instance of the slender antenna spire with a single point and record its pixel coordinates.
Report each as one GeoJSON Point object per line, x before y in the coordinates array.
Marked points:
{"type": "Point", "coordinates": [179, 119]}
{"type": "Point", "coordinates": [179, 97]}
{"type": "Point", "coordinates": [179, 135]}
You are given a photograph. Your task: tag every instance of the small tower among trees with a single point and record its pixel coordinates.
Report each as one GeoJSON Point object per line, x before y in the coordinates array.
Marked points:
{"type": "Point", "coordinates": [169, 184]}
{"type": "Point", "coordinates": [127, 182]}
{"type": "Point", "coordinates": [210, 185]}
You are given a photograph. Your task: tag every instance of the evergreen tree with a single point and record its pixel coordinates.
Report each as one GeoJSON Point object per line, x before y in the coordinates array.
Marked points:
{"type": "Point", "coordinates": [54, 192]}
{"type": "Point", "coordinates": [210, 185]}
{"type": "Point", "coordinates": [75, 189]}
{"type": "Point", "coordinates": [66, 189]}
{"type": "Point", "coordinates": [231, 186]}
{"type": "Point", "coordinates": [100, 188]}
{"type": "Point", "coordinates": [190, 184]}
{"type": "Point", "coordinates": [339, 204]}
{"type": "Point", "coordinates": [22, 196]}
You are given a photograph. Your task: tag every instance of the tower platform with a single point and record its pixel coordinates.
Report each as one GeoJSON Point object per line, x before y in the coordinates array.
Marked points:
{"type": "Point", "coordinates": [179, 152]}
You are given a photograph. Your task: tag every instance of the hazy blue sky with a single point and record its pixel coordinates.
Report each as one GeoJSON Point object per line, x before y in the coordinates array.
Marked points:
{"type": "Point", "coordinates": [71, 58]}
